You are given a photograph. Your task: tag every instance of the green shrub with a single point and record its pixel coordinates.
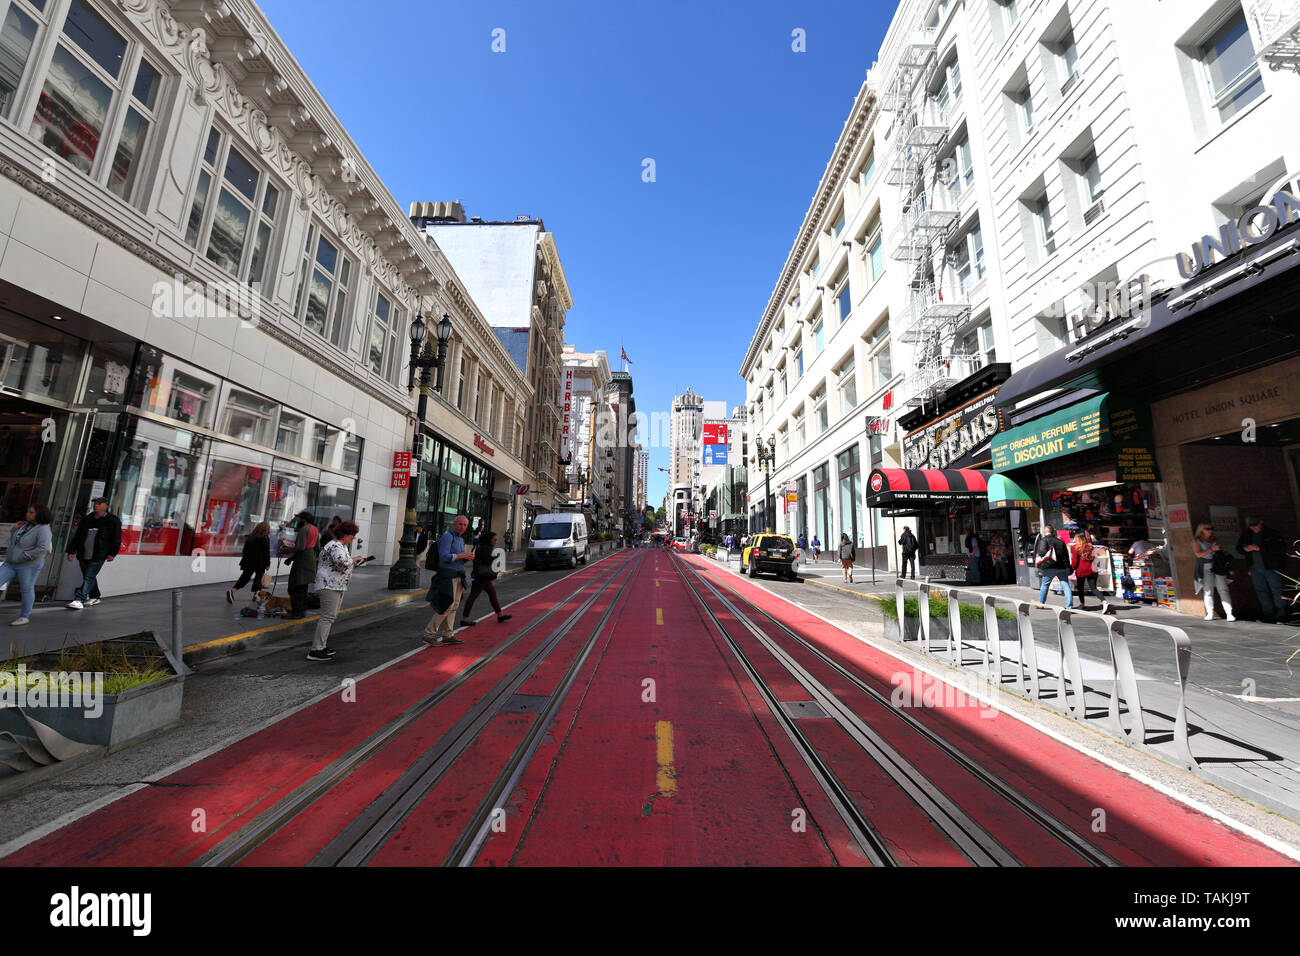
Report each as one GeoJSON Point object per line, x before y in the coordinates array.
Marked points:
{"type": "Point", "coordinates": [938, 608]}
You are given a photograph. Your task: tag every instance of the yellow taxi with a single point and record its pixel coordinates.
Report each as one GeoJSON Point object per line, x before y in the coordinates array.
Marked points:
{"type": "Point", "coordinates": [770, 554]}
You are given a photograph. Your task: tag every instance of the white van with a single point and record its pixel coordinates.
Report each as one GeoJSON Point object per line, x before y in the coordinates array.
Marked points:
{"type": "Point", "coordinates": [559, 538]}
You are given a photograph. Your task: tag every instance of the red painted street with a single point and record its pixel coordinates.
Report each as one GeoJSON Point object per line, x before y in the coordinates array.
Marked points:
{"type": "Point", "coordinates": [650, 709]}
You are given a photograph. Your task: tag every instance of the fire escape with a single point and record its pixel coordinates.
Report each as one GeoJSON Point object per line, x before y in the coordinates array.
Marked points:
{"type": "Point", "coordinates": [1278, 25]}
{"type": "Point", "coordinates": [927, 222]}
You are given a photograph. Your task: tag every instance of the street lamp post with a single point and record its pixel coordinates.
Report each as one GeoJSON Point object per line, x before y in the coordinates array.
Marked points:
{"type": "Point", "coordinates": [767, 458]}
{"type": "Point", "coordinates": [405, 574]}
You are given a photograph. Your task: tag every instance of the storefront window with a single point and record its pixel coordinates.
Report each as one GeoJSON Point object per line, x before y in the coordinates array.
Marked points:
{"type": "Point", "coordinates": [821, 504]}
{"type": "Point", "coordinates": [850, 498]}
{"type": "Point", "coordinates": [39, 362]}
{"type": "Point", "coordinates": [454, 463]}
{"type": "Point", "coordinates": [288, 494]}
{"type": "Point", "coordinates": [248, 417]}
{"type": "Point", "coordinates": [156, 489]}
{"type": "Point", "coordinates": [110, 373]}
{"type": "Point", "coordinates": [232, 504]}
{"type": "Point", "coordinates": [288, 436]}
{"type": "Point", "coordinates": [333, 495]}
{"type": "Point", "coordinates": [168, 387]}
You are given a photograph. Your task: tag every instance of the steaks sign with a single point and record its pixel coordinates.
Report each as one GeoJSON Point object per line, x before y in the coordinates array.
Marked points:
{"type": "Point", "coordinates": [958, 440]}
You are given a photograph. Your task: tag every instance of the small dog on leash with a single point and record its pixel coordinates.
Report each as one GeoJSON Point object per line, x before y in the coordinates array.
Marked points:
{"type": "Point", "coordinates": [266, 602]}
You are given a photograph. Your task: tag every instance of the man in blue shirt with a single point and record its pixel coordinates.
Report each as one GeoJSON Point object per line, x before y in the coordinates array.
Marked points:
{"type": "Point", "coordinates": [448, 584]}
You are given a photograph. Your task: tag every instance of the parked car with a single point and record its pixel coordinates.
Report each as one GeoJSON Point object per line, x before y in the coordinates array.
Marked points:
{"type": "Point", "coordinates": [770, 554]}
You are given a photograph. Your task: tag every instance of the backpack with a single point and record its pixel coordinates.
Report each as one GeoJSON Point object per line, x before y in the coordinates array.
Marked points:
{"type": "Point", "coordinates": [1221, 563]}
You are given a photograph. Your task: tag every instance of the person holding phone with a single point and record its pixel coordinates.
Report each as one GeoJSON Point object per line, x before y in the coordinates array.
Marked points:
{"type": "Point", "coordinates": [333, 574]}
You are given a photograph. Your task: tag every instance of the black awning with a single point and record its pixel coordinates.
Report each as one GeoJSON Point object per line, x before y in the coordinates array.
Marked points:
{"type": "Point", "coordinates": [1235, 316]}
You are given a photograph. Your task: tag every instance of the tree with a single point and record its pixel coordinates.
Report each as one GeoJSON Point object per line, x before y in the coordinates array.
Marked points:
{"type": "Point", "coordinates": [660, 513]}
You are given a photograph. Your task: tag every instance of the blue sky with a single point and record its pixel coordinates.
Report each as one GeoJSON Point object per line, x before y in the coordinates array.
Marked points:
{"type": "Point", "coordinates": [738, 124]}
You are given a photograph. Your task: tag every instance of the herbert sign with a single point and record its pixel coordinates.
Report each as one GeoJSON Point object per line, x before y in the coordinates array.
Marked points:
{"type": "Point", "coordinates": [956, 440]}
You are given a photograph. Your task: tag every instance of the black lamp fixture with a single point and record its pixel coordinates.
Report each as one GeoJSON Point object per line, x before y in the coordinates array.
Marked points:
{"type": "Point", "coordinates": [405, 574]}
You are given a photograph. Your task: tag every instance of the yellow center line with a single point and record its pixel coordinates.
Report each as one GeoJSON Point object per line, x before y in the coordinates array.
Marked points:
{"type": "Point", "coordinates": [659, 616]}
{"type": "Point", "coordinates": [666, 778]}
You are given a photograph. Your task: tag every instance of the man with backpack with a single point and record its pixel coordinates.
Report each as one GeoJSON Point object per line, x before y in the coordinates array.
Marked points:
{"type": "Point", "coordinates": [1053, 561]}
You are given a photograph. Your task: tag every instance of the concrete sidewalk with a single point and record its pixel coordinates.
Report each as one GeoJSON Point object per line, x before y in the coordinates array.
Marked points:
{"type": "Point", "coordinates": [1243, 700]}
{"type": "Point", "coordinates": [209, 625]}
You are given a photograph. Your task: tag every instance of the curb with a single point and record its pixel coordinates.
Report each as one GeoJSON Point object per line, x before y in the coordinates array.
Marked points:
{"type": "Point", "coordinates": [244, 640]}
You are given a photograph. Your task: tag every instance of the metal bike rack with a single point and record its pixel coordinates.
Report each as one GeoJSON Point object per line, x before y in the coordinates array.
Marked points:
{"type": "Point", "coordinates": [1071, 691]}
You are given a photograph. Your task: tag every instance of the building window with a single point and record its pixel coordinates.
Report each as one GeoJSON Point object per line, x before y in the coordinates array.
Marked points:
{"type": "Point", "coordinates": [1009, 12]}
{"type": "Point", "coordinates": [850, 469]}
{"type": "Point", "coordinates": [232, 215]}
{"type": "Point", "coordinates": [879, 359]}
{"type": "Point", "coordinates": [967, 259]}
{"type": "Point", "coordinates": [868, 169]}
{"type": "Point", "coordinates": [961, 173]}
{"type": "Point", "coordinates": [99, 91]}
{"type": "Point", "coordinates": [798, 361]}
{"type": "Point", "coordinates": [838, 226]}
{"type": "Point", "coordinates": [978, 347]}
{"type": "Point", "coordinates": [460, 385]}
{"type": "Point", "coordinates": [799, 436]}
{"type": "Point", "coordinates": [783, 441]}
{"type": "Point", "coordinates": [816, 266]}
{"type": "Point", "coordinates": [950, 91]}
{"type": "Point", "coordinates": [16, 41]}
{"type": "Point", "coordinates": [1067, 55]}
{"type": "Point", "coordinates": [818, 336]}
{"type": "Point", "coordinates": [820, 413]}
{"type": "Point", "coordinates": [1090, 174]}
{"type": "Point", "coordinates": [844, 297]}
{"type": "Point", "coordinates": [1025, 103]}
{"type": "Point", "coordinates": [323, 289]}
{"type": "Point", "coordinates": [846, 383]}
{"type": "Point", "coordinates": [1042, 212]}
{"type": "Point", "coordinates": [1231, 68]}
{"type": "Point", "coordinates": [385, 327]}
{"type": "Point", "coordinates": [874, 257]}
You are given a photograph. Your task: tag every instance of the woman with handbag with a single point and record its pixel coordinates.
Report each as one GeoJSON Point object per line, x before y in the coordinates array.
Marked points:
{"type": "Point", "coordinates": [255, 561]}
{"type": "Point", "coordinates": [28, 545]}
{"type": "Point", "coordinates": [1085, 572]}
{"type": "Point", "coordinates": [484, 576]}
{"type": "Point", "coordinates": [1212, 567]}
{"type": "Point", "coordinates": [332, 578]}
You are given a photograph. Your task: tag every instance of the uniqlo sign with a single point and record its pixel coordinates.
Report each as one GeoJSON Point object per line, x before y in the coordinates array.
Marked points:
{"type": "Point", "coordinates": [401, 479]}
{"type": "Point", "coordinates": [402, 461]}
{"type": "Point", "coordinates": [715, 434]}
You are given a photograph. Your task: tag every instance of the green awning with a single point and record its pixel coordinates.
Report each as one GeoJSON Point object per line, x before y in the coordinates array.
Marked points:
{"type": "Point", "coordinates": [1098, 421]}
{"type": "Point", "coordinates": [1006, 492]}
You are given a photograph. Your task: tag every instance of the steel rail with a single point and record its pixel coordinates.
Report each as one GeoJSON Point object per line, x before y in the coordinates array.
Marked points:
{"type": "Point", "coordinates": [1048, 822]}
{"type": "Point", "coordinates": [466, 848]}
{"type": "Point", "coordinates": [864, 832]}
{"type": "Point", "coordinates": [233, 848]}
{"type": "Point", "coordinates": [372, 828]}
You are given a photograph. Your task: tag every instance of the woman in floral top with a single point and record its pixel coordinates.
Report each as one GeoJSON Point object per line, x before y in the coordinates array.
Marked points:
{"type": "Point", "coordinates": [333, 572]}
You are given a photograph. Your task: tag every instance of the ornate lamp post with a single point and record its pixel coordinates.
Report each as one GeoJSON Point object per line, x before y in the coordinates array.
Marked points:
{"type": "Point", "coordinates": [767, 458]}
{"type": "Point", "coordinates": [405, 574]}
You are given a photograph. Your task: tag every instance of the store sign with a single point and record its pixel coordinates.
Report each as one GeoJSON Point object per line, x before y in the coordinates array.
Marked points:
{"type": "Point", "coordinates": [1255, 226]}
{"type": "Point", "coordinates": [877, 425]}
{"type": "Point", "coordinates": [483, 446]}
{"type": "Point", "coordinates": [715, 434]}
{"type": "Point", "coordinates": [401, 479]}
{"type": "Point", "coordinates": [957, 440]}
{"type": "Point", "coordinates": [1099, 421]}
{"type": "Point", "coordinates": [566, 409]}
{"type": "Point", "coordinates": [518, 489]}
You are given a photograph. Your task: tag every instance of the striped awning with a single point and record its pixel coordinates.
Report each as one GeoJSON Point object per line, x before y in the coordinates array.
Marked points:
{"type": "Point", "coordinates": [895, 485]}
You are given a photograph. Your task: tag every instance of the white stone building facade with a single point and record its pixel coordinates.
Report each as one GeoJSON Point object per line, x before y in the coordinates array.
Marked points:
{"type": "Point", "coordinates": [206, 292]}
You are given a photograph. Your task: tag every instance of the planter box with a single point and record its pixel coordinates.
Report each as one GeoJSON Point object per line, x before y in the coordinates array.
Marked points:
{"type": "Point", "coordinates": [971, 631]}
{"type": "Point", "coordinates": [126, 717]}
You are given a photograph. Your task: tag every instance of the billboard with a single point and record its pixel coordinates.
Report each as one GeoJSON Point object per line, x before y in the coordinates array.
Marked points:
{"type": "Point", "coordinates": [715, 434]}
{"type": "Point", "coordinates": [715, 454]}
